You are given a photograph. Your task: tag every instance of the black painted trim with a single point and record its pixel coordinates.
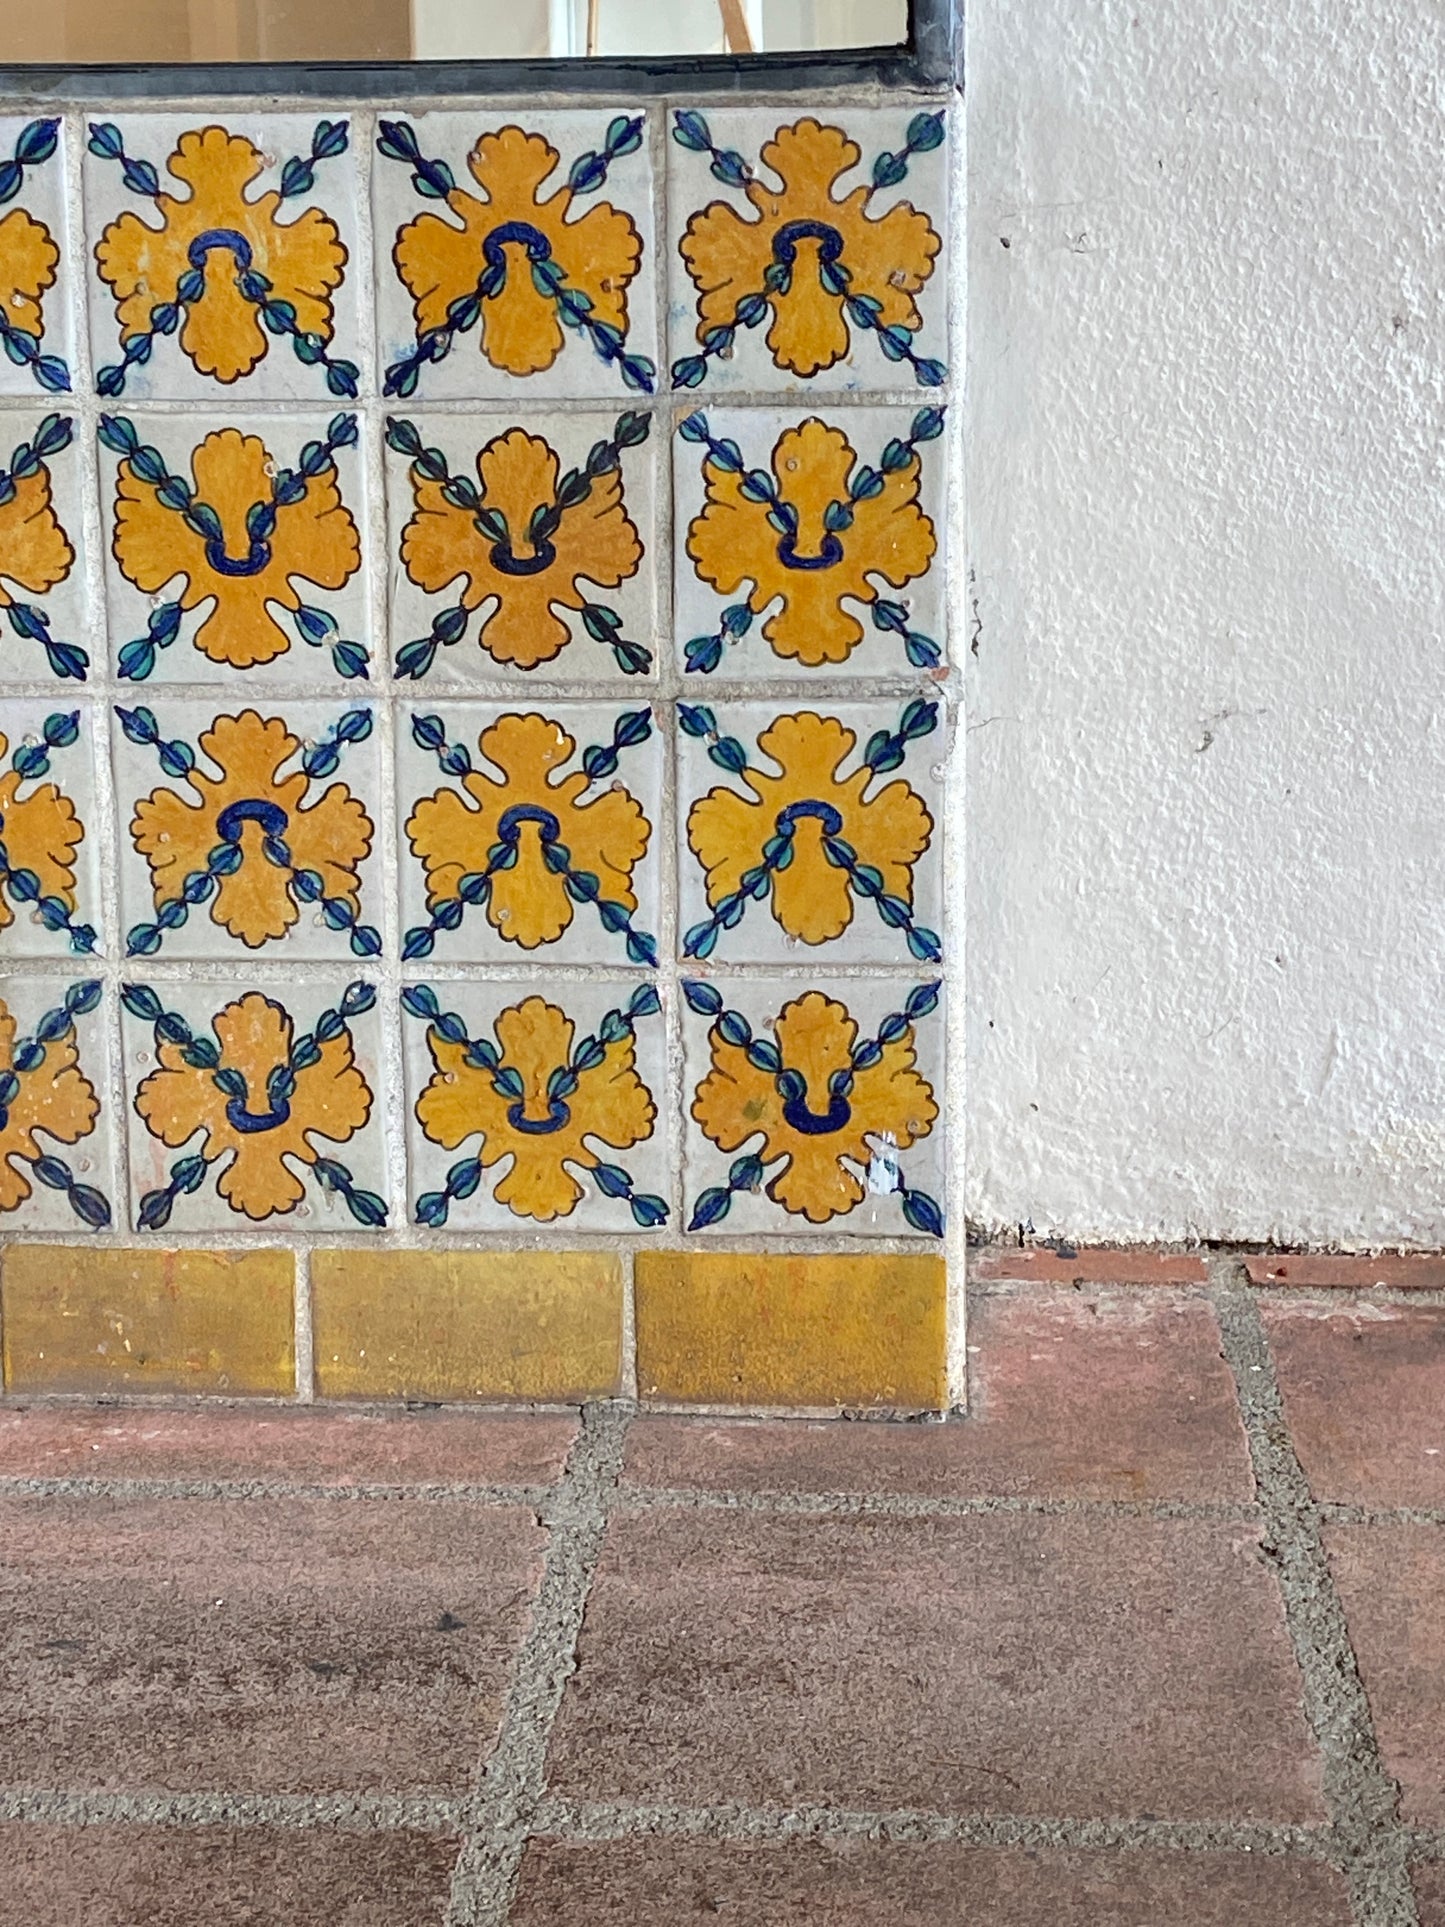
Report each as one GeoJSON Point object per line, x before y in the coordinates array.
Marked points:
{"type": "Point", "coordinates": [932, 59]}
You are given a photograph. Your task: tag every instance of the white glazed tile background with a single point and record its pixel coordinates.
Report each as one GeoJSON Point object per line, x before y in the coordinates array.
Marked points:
{"type": "Point", "coordinates": [699, 608]}
{"type": "Point", "coordinates": [169, 374]}
{"type": "Point", "coordinates": [584, 1002]}
{"type": "Point", "coordinates": [42, 194]}
{"type": "Point", "coordinates": [72, 772]}
{"type": "Point", "coordinates": [863, 371]}
{"type": "Point", "coordinates": [70, 607]}
{"type": "Point", "coordinates": [641, 599]}
{"type": "Point", "coordinates": [450, 137]}
{"type": "Point", "coordinates": [139, 776]}
{"type": "Point", "coordinates": [576, 401]}
{"type": "Point", "coordinates": [639, 775]}
{"type": "Point", "coordinates": [760, 938]}
{"type": "Point", "coordinates": [92, 1160]}
{"type": "Point", "coordinates": [177, 437]}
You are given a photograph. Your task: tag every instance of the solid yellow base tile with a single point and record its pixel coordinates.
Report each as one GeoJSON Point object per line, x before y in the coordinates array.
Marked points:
{"type": "Point", "coordinates": [85, 1320]}
{"type": "Point", "coordinates": [467, 1324]}
{"type": "Point", "coordinates": [757, 1329]}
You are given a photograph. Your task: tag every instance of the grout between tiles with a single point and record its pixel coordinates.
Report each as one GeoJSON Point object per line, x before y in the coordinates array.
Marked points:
{"type": "Point", "coordinates": [510, 1806]}
{"type": "Point", "coordinates": [1363, 1799]}
{"type": "Point", "coordinates": [511, 1783]}
{"type": "Point", "coordinates": [384, 691]}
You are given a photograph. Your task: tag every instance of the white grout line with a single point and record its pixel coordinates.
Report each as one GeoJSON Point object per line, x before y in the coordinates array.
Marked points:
{"type": "Point", "coordinates": [387, 972]}
{"type": "Point", "coordinates": [305, 1329]}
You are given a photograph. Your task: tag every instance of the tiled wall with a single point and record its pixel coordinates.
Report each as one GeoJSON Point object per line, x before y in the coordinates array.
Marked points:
{"type": "Point", "coordinates": [475, 699]}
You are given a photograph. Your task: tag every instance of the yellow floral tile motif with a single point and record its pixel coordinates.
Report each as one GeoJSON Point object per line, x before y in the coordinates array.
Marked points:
{"type": "Point", "coordinates": [535, 1097]}
{"type": "Point", "coordinates": [256, 1094]}
{"type": "Point", "coordinates": [809, 841]}
{"type": "Point", "coordinates": [259, 846]}
{"type": "Point", "coordinates": [534, 847]}
{"type": "Point", "coordinates": [517, 262]}
{"type": "Point", "coordinates": [522, 540]}
{"type": "Point", "coordinates": [832, 1109]}
{"type": "Point", "coordinates": [40, 835]}
{"type": "Point", "coordinates": [29, 259]}
{"type": "Point", "coordinates": [816, 530]}
{"type": "Point", "coordinates": [45, 1093]}
{"type": "Point", "coordinates": [815, 263]}
{"type": "Point", "coordinates": [36, 554]}
{"type": "Point", "coordinates": [216, 264]}
{"type": "Point", "coordinates": [242, 530]}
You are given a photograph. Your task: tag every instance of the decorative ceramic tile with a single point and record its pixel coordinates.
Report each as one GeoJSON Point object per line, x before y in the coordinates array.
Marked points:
{"type": "Point", "coordinates": [223, 255]}
{"type": "Point", "coordinates": [49, 862]}
{"type": "Point", "coordinates": [814, 1108]}
{"type": "Point", "coordinates": [36, 330]}
{"type": "Point", "coordinates": [810, 841]}
{"type": "Point", "coordinates": [828, 231]}
{"type": "Point", "coordinates": [234, 549]}
{"type": "Point", "coordinates": [555, 1101]}
{"type": "Point", "coordinates": [248, 830]}
{"type": "Point", "coordinates": [790, 533]}
{"type": "Point", "coordinates": [541, 837]}
{"type": "Point", "coordinates": [42, 574]}
{"type": "Point", "coordinates": [56, 1147]}
{"type": "Point", "coordinates": [544, 565]}
{"type": "Point", "coordinates": [259, 1093]}
{"type": "Point", "coordinates": [509, 253]}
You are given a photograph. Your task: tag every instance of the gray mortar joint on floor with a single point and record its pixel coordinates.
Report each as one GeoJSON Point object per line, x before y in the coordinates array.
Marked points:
{"type": "Point", "coordinates": [1372, 1846]}
{"type": "Point", "coordinates": [484, 1881]}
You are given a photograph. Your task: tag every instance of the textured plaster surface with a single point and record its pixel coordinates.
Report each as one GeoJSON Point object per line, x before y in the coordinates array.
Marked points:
{"type": "Point", "coordinates": [1206, 720]}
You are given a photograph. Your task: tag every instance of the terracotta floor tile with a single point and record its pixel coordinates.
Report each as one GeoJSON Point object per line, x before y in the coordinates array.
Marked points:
{"type": "Point", "coordinates": [859, 1883]}
{"type": "Point", "coordinates": [1089, 1264]}
{"type": "Point", "coordinates": [1083, 1394]}
{"type": "Point", "coordinates": [1334, 1271]}
{"type": "Point", "coordinates": [1429, 1879]}
{"type": "Point", "coordinates": [255, 1645]}
{"type": "Point", "coordinates": [114, 1876]}
{"type": "Point", "coordinates": [1364, 1391]}
{"type": "Point", "coordinates": [1005, 1662]}
{"type": "Point", "coordinates": [1392, 1580]}
{"type": "Point", "coordinates": [314, 1446]}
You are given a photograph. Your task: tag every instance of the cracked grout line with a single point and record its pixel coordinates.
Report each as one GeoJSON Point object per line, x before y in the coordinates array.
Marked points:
{"type": "Point", "coordinates": [617, 1820]}
{"type": "Point", "coordinates": [1381, 1515]}
{"type": "Point", "coordinates": [1277, 1293]}
{"type": "Point", "coordinates": [132, 1490]}
{"type": "Point", "coordinates": [1362, 1798]}
{"type": "Point", "coordinates": [630, 1499]}
{"type": "Point", "coordinates": [908, 1505]}
{"type": "Point", "coordinates": [351, 1812]}
{"type": "Point", "coordinates": [510, 1784]}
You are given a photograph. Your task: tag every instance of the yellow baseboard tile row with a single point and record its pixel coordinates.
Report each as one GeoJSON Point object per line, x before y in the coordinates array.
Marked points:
{"type": "Point", "coordinates": [742, 1329]}
{"type": "Point", "coordinates": [529, 1325]}
{"type": "Point", "coordinates": [108, 1321]}
{"type": "Point", "coordinates": [760, 1329]}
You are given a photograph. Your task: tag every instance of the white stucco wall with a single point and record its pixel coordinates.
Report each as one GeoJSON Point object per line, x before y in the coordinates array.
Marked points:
{"type": "Point", "coordinates": [1206, 785]}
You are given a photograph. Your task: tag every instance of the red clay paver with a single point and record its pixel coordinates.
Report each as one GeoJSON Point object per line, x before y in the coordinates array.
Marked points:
{"type": "Point", "coordinates": [863, 1883]}
{"type": "Point", "coordinates": [280, 1644]}
{"type": "Point", "coordinates": [1398, 1270]}
{"type": "Point", "coordinates": [152, 1876]}
{"type": "Point", "coordinates": [1075, 1394]}
{"type": "Point", "coordinates": [1392, 1580]}
{"type": "Point", "coordinates": [1089, 1265]}
{"type": "Point", "coordinates": [1429, 1879]}
{"type": "Point", "coordinates": [310, 1446]}
{"type": "Point", "coordinates": [1010, 1662]}
{"type": "Point", "coordinates": [1364, 1392]}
